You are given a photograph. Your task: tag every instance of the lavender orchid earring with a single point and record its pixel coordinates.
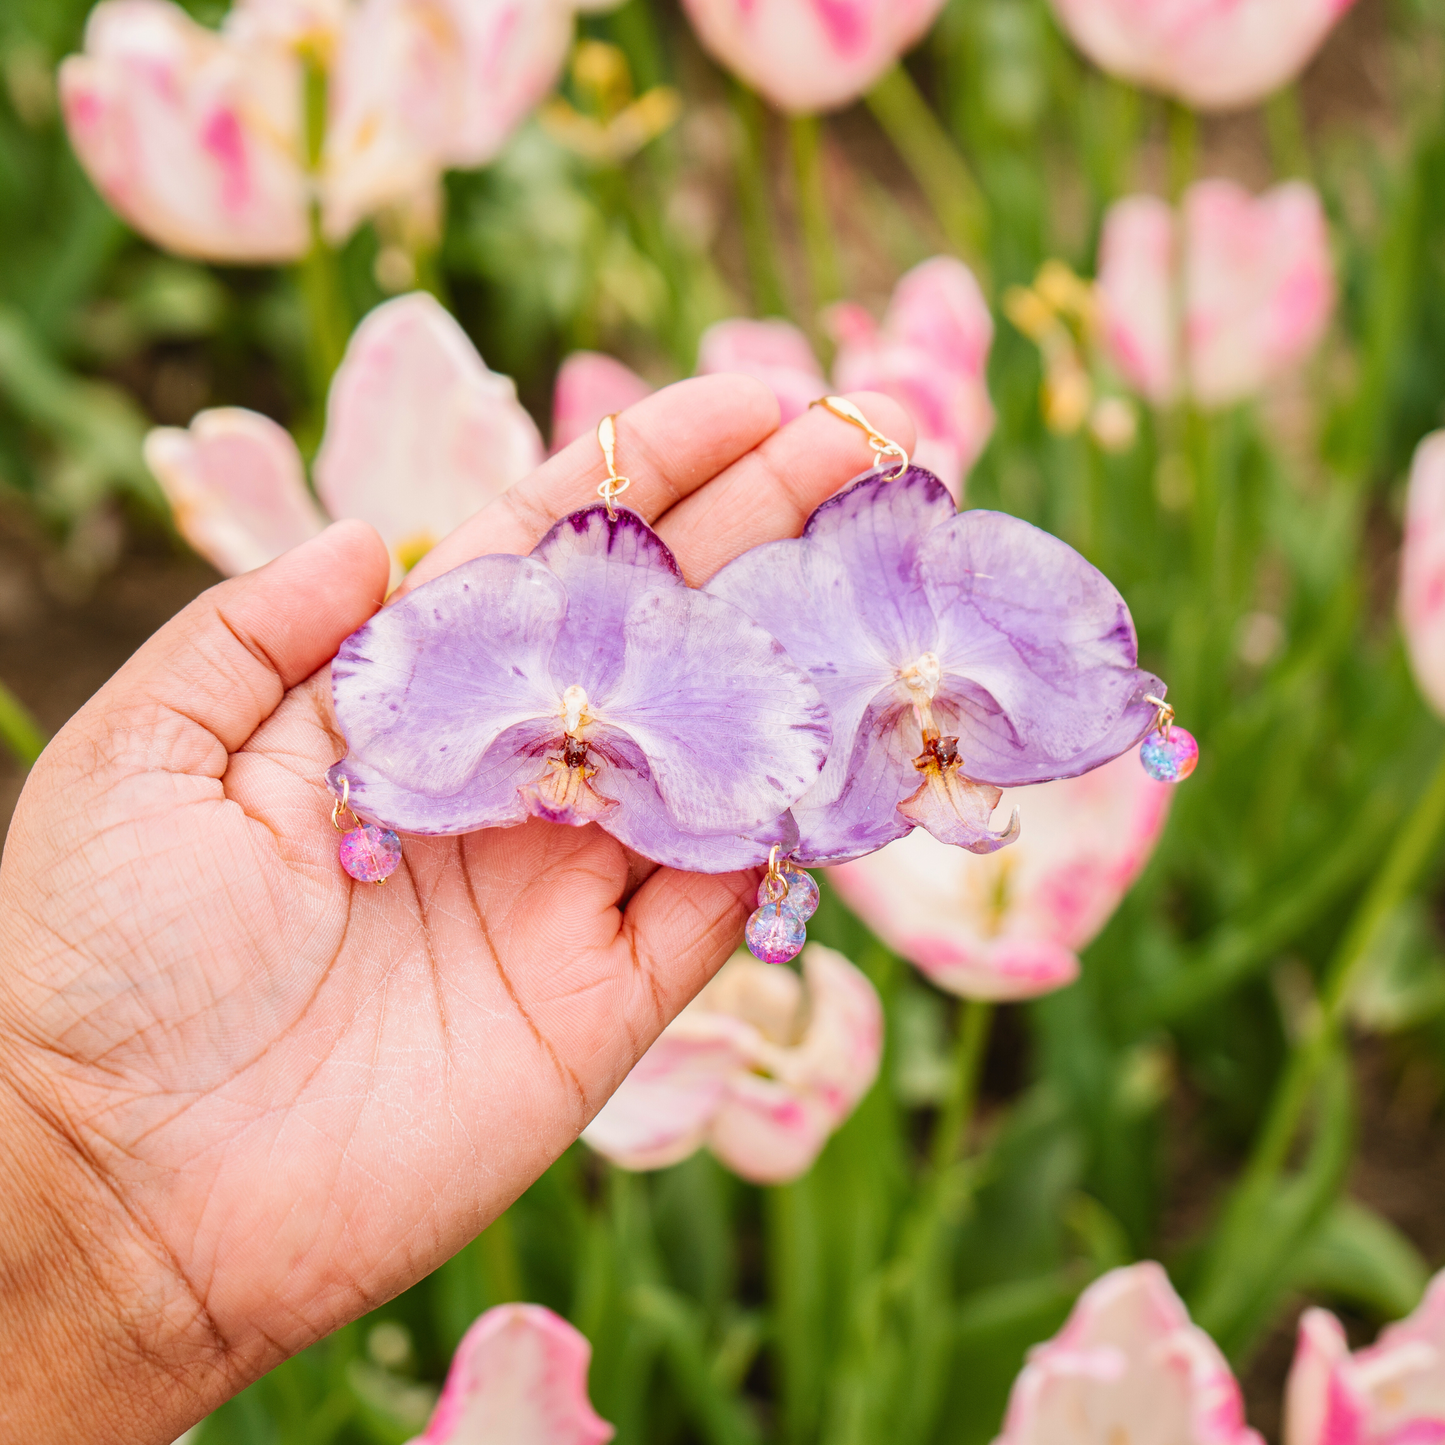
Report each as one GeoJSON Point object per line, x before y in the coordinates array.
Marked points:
{"type": "Point", "coordinates": [1169, 754]}
{"type": "Point", "coordinates": [585, 683]}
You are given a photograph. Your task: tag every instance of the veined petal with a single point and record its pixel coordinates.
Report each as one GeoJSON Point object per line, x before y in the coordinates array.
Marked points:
{"type": "Point", "coordinates": [1140, 295]}
{"type": "Point", "coordinates": [1038, 651]}
{"type": "Point", "coordinates": [1258, 283]}
{"type": "Point", "coordinates": [419, 434]}
{"type": "Point", "coordinates": [958, 811]}
{"type": "Point", "coordinates": [810, 55]}
{"type": "Point", "coordinates": [192, 136]}
{"type": "Point", "coordinates": [775, 352]}
{"type": "Point", "coordinates": [734, 731]}
{"type": "Point", "coordinates": [425, 688]}
{"type": "Point", "coordinates": [519, 1377]}
{"type": "Point", "coordinates": [589, 387]}
{"type": "Point", "coordinates": [236, 487]}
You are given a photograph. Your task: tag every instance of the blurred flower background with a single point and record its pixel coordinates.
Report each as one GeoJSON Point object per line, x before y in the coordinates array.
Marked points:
{"type": "Point", "coordinates": [1162, 1084]}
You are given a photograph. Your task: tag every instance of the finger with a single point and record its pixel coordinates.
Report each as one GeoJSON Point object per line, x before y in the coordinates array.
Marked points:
{"type": "Point", "coordinates": [668, 445]}
{"type": "Point", "coordinates": [215, 672]}
{"type": "Point", "coordinates": [772, 491]}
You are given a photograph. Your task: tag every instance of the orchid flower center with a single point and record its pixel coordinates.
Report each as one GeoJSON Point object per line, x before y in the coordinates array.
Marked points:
{"type": "Point", "coordinates": [923, 677]}
{"type": "Point", "coordinates": [574, 711]}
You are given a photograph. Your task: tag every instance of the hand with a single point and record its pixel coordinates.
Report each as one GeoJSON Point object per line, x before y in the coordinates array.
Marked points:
{"type": "Point", "coordinates": [244, 1099]}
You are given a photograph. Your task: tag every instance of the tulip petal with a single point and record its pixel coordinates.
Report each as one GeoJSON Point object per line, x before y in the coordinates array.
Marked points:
{"type": "Point", "coordinates": [1323, 1406]}
{"type": "Point", "coordinates": [1138, 270]}
{"type": "Point", "coordinates": [1422, 570]}
{"type": "Point", "coordinates": [810, 55]}
{"type": "Point", "coordinates": [1213, 56]}
{"type": "Point", "coordinates": [1046, 643]}
{"type": "Point", "coordinates": [589, 387]}
{"type": "Point", "coordinates": [236, 487]}
{"type": "Point", "coordinates": [775, 352]}
{"type": "Point", "coordinates": [192, 136]}
{"type": "Point", "coordinates": [1129, 1363]}
{"type": "Point", "coordinates": [519, 1377]}
{"type": "Point", "coordinates": [419, 435]}
{"type": "Point", "coordinates": [1258, 283]}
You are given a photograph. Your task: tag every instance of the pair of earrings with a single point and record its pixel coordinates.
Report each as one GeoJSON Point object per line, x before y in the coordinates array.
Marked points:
{"type": "Point", "coordinates": [772, 714]}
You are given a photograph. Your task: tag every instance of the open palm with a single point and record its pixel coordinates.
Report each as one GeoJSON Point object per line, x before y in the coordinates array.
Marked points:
{"type": "Point", "coordinates": [262, 1098]}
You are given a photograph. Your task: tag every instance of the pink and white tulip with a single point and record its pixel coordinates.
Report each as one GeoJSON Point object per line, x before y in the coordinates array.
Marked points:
{"type": "Point", "coordinates": [1392, 1393]}
{"type": "Point", "coordinates": [1127, 1365]}
{"type": "Point", "coordinates": [810, 55]}
{"type": "Point", "coordinates": [1221, 302]}
{"type": "Point", "coordinates": [1422, 570]}
{"type": "Point", "coordinates": [197, 138]}
{"type": "Point", "coordinates": [1212, 54]}
{"type": "Point", "coordinates": [760, 1068]}
{"type": "Point", "coordinates": [930, 353]}
{"type": "Point", "coordinates": [1011, 924]}
{"type": "Point", "coordinates": [419, 436]}
{"type": "Point", "coordinates": [192, 136]}
{"type": "Point", "coordinates": [519, 1377]}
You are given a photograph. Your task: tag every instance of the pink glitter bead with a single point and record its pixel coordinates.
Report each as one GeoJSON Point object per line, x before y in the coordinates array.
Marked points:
{"type": "Point", "coordinates": [775, 934]}
{"type": "Point", "coordinates": [1171, 759]}
{"type": "Point", "coordinates": [802, 896]}
{"type": "Point", "coordinates": [370, 854]}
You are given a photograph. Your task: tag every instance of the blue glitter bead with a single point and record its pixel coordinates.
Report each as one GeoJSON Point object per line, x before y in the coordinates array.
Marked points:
{"type": "Point", "coordinates": [803, 896]}
{"type": "Point", "coordinates": [1171, 759]}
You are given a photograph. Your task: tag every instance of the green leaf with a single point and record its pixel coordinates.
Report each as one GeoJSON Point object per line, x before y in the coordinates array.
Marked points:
{"type": "Point", "coordinates": [1358, 1256]}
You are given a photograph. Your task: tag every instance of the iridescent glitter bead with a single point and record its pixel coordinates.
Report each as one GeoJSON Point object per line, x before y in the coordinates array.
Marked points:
{"type": "Point", "coordinates": [370, 854]}
{"type": "Point", "coordinates": [802, 891]}
{"type": "Point", "coordinates": [1169, 759]}
{"type": "Point", "coordinates": [775, 933]}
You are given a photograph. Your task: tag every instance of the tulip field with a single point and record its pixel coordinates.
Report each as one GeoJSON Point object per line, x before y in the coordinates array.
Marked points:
{"type": "Point", "coordinates": [1076, 1138]}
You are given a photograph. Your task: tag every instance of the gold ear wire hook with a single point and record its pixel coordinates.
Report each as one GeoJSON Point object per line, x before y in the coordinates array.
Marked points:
{"type": "Point", "coordinates": [615, 485]}
{"type": "Point", "coordinates": [343, 805]}
{"type": "Point", "coordinates": [882, 446]}
{"type": "Point", "coordinates": [1163, 715]}
{"type": "Point", "coordinates": [774, 884]}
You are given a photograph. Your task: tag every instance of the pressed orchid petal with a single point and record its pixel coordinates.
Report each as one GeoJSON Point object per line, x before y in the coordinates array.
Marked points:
{"type": "Point", "coordinates": [930, 354]}
{"type": "Point", "coordinates": [419, 435]}
{"type": "Point", "coordinates": [1213, 54]}
{"type": "Point", "coordinates": [1390, 1393]}
{"type": "Point", "coordinates": [1422, 570]}
{"type": "Point", "coordinates": [1127, 1365]}
{"type": "Point", "coordinates": [668, 717]}
{"type": "Point", "coordinates": [589, 387]}
{"type": "Point", "coordinates": [1138, 271]}
{"type": "Point", "coordinates": [1258, 282]}
{"type": "Point", "coordinates": [192, 136]}
{"type": "Point", "coordinates": [519, 1377]}
{"type": "Point", "coordinates": [1022, 654]}
{"type": "Point", "coordinates": [1010, 925]}
{"type": "Point", "coordinates": [1046, 645]}
{"type": "Point", "coordinates": [958, 812]}
{"type": "Point", "coordinates": [775, 352]}
{"type": "Point", "coordinates": [761, 1068]}
{"type": "Point", "coordinates": [810, 55]}
{"type": "Point", "coordinates": [236, 487]}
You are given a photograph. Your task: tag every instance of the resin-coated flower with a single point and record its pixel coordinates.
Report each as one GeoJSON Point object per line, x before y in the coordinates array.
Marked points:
{"type": "Point", "coordinates": [192, 136]}
{"type": "Point", "coordinates": [1422, 570]}
{"type": "Point", "coordinates": [761, 1067]}
{"type": "Point", "coordinates": [1127, 1365]}
{"type": "Point", "coordinates": [1391, 1393]}
{"type": "Point", "coordinates": [810, 55]}
{"type": "Point", "coordinates": [585, 683]}
{"type": "Point", "coordinates": [1011, 925]}
{"type": "Point", "coordinates": [930, 354]}
{"type": "Point", "coordinates": [519, 1377]}
{"type": "Point", "coordinates": [1213, 54]}
{"type": "Point", "coordinates": [419, 436]}
{"type": "Point", "coordinates": [1254, 276]}
{"type": "Point", "coordinates": [958, 654]}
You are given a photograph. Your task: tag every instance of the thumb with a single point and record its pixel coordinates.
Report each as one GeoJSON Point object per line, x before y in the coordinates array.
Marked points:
{"type": "Point", "coordinates": [222, 666]}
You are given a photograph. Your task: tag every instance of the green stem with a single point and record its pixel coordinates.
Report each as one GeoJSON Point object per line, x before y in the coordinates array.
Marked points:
{"type": "Point", "coordinates": [793, 1271]}
{"type": "Point", "coordinates": [970, 1049]}
{"type": "Point", "coordinates": [1183, 129]}
{"type": "Point", "coordinates": [820, 245]}
{"type": "Point", "coordinates": [328, 324]}
{"type": "Point", "coordinates": [1289, 147]}
{"type": "Point", "coordinates": [755, 209]}
{"type": "Point", "coordinates": [1411, 851]}
{"type": "Point", "coordinates": [498, 1248]}
{"type": "Point", "coordinates": [929, 152]}
{"type": "Point", "coordinates": [18, 729]}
